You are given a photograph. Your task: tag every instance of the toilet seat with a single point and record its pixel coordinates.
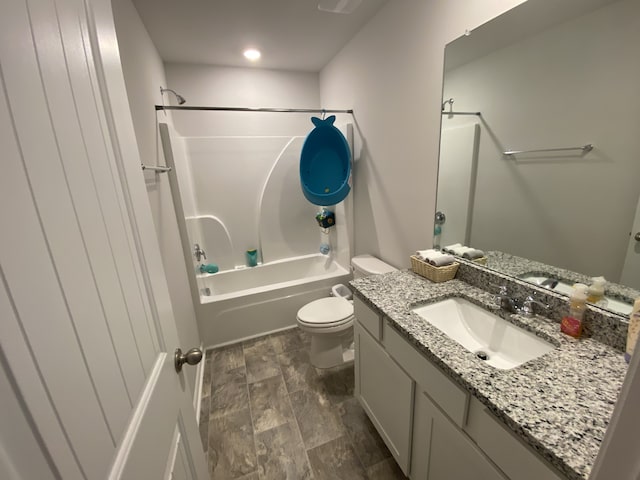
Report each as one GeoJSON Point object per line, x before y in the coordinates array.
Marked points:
{"type": "Point", "coordinates": [326, 313]}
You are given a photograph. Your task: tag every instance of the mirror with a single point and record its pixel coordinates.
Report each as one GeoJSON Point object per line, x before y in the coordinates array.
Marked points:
{"type": "Point", "coordinates": [546, 80]}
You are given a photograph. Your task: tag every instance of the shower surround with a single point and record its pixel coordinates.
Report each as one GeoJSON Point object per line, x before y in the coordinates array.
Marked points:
{"type": "Point", "coordinates": [240, 193]}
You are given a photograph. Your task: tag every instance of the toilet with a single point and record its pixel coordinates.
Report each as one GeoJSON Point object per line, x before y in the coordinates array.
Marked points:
{"type": "Point", "coordinates": [329, 321]}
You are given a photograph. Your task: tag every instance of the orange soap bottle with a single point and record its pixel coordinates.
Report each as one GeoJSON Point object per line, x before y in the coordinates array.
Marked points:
{"type": "Point", "coordinates": [572, 323]}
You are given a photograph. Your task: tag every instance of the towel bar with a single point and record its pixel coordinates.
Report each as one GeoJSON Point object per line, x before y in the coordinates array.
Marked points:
{"type": "Point", "coordinates": [585, 149]}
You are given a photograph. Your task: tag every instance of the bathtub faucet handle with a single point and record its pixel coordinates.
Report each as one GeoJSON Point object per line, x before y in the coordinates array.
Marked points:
{"type": "Point", "coordinates": [198, 252]}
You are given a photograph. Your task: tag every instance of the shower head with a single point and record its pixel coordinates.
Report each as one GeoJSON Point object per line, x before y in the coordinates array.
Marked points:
{"type": "Point", "coordinates": [179, 97]}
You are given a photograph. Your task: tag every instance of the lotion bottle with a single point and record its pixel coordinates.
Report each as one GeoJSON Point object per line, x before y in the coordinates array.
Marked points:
{"type": "Point", "coordinates": [572, 323]}
{"type": "Point", "coordinates": [634, 329]}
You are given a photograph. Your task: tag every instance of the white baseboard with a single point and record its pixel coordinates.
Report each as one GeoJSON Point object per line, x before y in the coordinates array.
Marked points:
{"type": "Point", "coordinates": [233, 342]}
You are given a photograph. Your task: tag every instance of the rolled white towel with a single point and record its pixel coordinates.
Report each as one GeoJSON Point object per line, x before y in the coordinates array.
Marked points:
{"type": "Point", "coordinates": [442, 260]}
{"type": "Point", "coordinates": [473, 254]}
{"type": "Point", "coordinates": [450, 248]}
{"type": "Point", "coordinates": [426, 254]}
{"type": "Point", "coordinates": [431, 256]}
{"type": "Point", "coordinates": [460, 251]}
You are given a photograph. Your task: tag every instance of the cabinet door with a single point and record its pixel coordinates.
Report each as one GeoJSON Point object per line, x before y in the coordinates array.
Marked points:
{"type": "Point", "coordinates": [421, 442]}
{"type": "Point", "coordinates": [516, 459]}
{"type": "Point", "coordinates": [386, 394]}
{"type": "Point", "coordinates": [442, 452]}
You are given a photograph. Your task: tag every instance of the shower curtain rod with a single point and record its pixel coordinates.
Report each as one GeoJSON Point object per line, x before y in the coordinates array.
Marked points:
{"type": "Point", "coordinates": [247, 109]}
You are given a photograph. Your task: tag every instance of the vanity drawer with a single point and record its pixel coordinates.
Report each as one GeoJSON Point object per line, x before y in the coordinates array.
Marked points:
{"type": "Point", "coordinates": [451, 398]}
{"type": "Point", "coordinates": [368, 318]}
{"type": "Point", "coordinates": [507, 451]}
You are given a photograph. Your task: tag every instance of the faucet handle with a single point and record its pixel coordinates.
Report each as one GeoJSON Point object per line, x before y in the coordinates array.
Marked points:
{"type": "Point", "coordinates": [502, 289]}
{"type": "Point", "coordinates": [529, 302]}
{"type": "Point", "coordinates": [502, 296]}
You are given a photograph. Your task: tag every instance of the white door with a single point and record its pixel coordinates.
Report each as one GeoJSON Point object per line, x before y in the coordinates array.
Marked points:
{"type": "Point", "coordinates": [86, 333]}
{"type": "Point", "coordinates": [631, 269]}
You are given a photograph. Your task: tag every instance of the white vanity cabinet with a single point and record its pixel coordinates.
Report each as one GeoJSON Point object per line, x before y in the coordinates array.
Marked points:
{"type": "Point", "coordinates": [386, 394]}
{"type": "Point", "coordinates": [512, 455]}
{"type": "Point", "coordinates": [440, 451]}
{"type": "Point", "coordinates": [433, 427]}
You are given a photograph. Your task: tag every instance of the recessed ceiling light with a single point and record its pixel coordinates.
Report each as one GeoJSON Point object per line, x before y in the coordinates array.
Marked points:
{"type": "Point", "coordinates": [252, 54]}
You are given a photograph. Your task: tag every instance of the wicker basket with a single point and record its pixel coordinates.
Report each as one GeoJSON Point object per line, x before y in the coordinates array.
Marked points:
{"type": "Point", "coordinates": [481, 260]}
{"type": "Point", "coordinates": [435, 274]}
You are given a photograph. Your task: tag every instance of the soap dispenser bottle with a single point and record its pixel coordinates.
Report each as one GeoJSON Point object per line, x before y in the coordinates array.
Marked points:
{"type": "Point", "coordinates": [572, 323]}
{"type": "Point", "coordinates": [595, 293]}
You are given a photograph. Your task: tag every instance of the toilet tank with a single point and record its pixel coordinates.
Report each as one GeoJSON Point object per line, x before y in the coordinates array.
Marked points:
{"type": "Point", "coordinates": [364, 265]}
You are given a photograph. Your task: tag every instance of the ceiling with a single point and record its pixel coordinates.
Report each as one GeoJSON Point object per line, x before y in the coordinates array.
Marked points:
{"type": "Point", "coordinates": [291, 34]}
{"type": "Point", "coordinates": [528, 19]}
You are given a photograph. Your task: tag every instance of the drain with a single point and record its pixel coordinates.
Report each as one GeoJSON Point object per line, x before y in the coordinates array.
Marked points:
{"type": "Point", "coordinates": [482, 355]}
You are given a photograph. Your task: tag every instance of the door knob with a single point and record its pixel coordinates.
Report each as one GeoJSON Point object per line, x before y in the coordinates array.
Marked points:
{"type": "Point", "coordinates": [192, 357]}
{"type": "Point", "coordinates": [637, 237]}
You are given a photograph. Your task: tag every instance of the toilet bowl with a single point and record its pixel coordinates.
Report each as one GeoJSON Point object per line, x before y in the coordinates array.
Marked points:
{"type": "Point", "coordinates": [329, 321]}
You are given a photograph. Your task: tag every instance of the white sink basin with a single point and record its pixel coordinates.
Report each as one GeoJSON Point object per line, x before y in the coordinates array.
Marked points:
{"type": "Point", "coordinates": [566, 288]}
{"type": "Point", "coordinates": [481, 332]}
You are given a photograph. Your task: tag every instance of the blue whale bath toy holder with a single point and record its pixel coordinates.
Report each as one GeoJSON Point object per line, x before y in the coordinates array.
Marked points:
{"type": "Point", "coordinates": [325, 164]}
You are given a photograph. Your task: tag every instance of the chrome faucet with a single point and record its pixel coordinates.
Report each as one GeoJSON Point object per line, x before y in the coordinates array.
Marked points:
{"type": "Point", "coordinates": [550, 283]}
{"type": "Point", "coordinates": [529, 302]}
{"type": "Point", "coordinates": [512, 305]}
{"type": "Point", "coordinates": [198, 252]}
{"type": "Point", "coordinates": [506, 303]}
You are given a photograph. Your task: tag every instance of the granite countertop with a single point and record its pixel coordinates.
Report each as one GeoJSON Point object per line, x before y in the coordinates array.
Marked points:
{"type": "Point", "coordinates": [517, 266]}
{"type": "Point", "coordinates": [560, 403]}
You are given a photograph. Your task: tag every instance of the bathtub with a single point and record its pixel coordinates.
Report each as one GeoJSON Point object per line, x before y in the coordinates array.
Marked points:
{"type": "Point", "coordinates": [249, 302]}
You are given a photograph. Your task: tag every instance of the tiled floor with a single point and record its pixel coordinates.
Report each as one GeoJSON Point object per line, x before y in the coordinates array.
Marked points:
{"type": "Point", "coordinates": [268, 414]}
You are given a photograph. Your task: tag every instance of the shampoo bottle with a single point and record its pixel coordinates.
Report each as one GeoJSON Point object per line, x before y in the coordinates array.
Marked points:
{"type": "Point", "coordinates": [634, 329]}
{"type": "Point", "coordinates": [572, 323]}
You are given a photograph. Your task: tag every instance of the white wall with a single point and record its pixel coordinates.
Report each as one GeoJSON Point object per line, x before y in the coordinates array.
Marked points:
{"type": "Point", "coordinates": [207, 85]}
{"type": "Point", "coordinates": [569, 85]}
{"type": "Point", "coordinates": [391, 75]}
{"type": "Point", "coordinates": [144, 74]}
